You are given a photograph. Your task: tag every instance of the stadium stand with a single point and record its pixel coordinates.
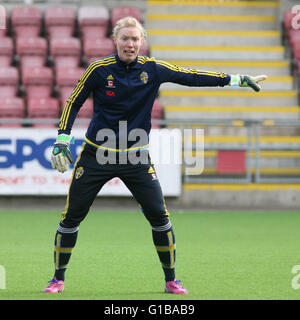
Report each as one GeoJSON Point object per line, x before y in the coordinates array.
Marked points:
{"type": "Point", "coordinates": [26, 21]}
{"type": "Point", "coordinates": [44, 50]}
{"type": "Point", "coordinates": [68, 77]}
{"type": "Point", "coordinates": [59, 22]}
{"type": "Point", "coordinates": [98, 48]}
{"type": "Point", "coordinates": [32, 52]}
{"type": "Point", "coordinates": [37, 81]}
{"type": "Point", "coordinates": [12, 107]}
{"type": "Point", "coordinates": [65, 52]}
{"type": "Point", "coordinates": [226, 37]}
{"type": "Point", "coordinates": [6, 51]}
{"type": "Point", "coordinates": [47, 108]}
{"type": "Point", "coordinates": [9, 81]}
{"type": "Point", "coordinates": [93, 22]}
{"type": "Point", "coordinates": [45, 45]}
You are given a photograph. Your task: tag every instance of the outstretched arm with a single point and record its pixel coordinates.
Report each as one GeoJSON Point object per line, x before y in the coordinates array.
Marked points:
{"type": "Point", "coordinates": [199, 78]}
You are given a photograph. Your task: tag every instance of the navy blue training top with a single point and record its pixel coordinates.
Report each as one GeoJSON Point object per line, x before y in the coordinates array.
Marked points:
{"type": "Point", "coordinates": [126, 92]}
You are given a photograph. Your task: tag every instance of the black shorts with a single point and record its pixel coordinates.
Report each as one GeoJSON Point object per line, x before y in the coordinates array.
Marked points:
{"type": "Point", "coordinates": [89, 177]}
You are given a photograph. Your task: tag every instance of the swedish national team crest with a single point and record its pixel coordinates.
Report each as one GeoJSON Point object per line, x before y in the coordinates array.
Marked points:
{"type": "Point", "coordinates": [144, 77]}
{"type": "Point", "coordinates": [79, 172]}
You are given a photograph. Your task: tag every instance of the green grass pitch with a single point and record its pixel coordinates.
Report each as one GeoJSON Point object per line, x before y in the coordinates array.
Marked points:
{"type": "Point", "coordinates": [220, 255]}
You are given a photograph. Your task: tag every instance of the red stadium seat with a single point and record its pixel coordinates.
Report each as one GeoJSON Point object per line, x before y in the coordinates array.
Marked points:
{"type": "Point", "coordinates": [66, 62]}
{"type": "Point", "coordinates": [26, 32]}
{"type": "Point", "coordinates": [26, 15]}
{"type": "Point", "coordinates": [32, 46]}
{"type": "Point", "coordinates": [43, 108]}
{"type": "Point", "coordinates": [8, 91]}
{"type": "Point", "coordinates": [121, 12]}
{"type": "Point", "coordinates": [5, 61]}
{"type": "Point", "coordinates": [65, 93]}
{"type": "Point", "coordinates": [90, 17]}
{"type": "Point", "coordinates": [65, 47]}
{"type": "Point", "coordinates": [9, 76]}
{"type": "Point", "coordinates": [38, 81]}
{"type": "Point", "coordinates": [68, 47]}
{"type": "Point", "coordinates": [157, 110]}
{"type": "Point", "coordinates": [60, 16]}
{"type": "Point", "coordinates": [6, 46]}
{"type": "Point", "coordinates": [37, 76]}
{"type": "Point", "coordinates": [12, 107]}
{"type": "Point", "coordinates": [229, 161]}
{"type": "Point", "coordinates": [86, 111]}
{"type": "Point", "coordinates": [68, 77]}
{"type": "Point", "coordinates": [38, 91]}
{"type": "Point", "coordinates": [93, 16]}
{"type": "Point", "coordinates": [6, 51]}
{"type": "Point", "coordinates": [93, 32]}
{"type": "Point", "coordinates": [296, 50]}
{"type": "Point", "coordinates": [26, 21]}
{"type": "Point", "coordinates": [60, 22]}
{"type": "Point", "coordinates": [32, 61]}
{"type": "Point", "coordinates": [55, 32]}
{"type": "Point", "coordinates": [98, 48]}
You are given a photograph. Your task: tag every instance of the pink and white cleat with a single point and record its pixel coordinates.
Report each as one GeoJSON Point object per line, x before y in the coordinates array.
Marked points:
{"type": "Point", "coordinates": [175, 287]}
{"type": "Point", "coordinates": [54, 286]}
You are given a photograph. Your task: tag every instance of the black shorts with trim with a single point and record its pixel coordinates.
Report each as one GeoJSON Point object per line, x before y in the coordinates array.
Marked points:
{"type": "Point", "coordinates": [89, 176]}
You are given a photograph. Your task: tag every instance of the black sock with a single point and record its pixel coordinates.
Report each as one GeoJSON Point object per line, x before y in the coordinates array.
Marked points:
{"type": "Point", "coordinates": [65, 240]}
{"type": "Point", "coordinates": [164, 242]}
{"type": "Point", "coordinates": [60, 274]}
{"type": "Point", "coordinates": [169, 274]}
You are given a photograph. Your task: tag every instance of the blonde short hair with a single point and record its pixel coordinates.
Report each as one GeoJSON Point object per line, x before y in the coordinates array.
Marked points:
{"type": "Point", "coordinates": [128, 22]}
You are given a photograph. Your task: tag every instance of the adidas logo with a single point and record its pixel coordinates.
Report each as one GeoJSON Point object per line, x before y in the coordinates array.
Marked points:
{"type": "Point", "coordinates": [151, 170]}
{"type": "Point", "coordinates": [110, 77]}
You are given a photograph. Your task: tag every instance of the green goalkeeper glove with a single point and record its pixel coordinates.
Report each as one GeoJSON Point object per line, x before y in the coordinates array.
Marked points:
{"type": "Point", "coordinates": [61, 156]}
{"type": "Point", "coordinates": [238, 80]}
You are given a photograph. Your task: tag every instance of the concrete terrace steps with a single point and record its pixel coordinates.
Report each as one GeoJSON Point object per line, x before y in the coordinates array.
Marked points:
{"type": "Point", "coordinates": [270, 68]}
{"type": "Point", "coordinates": [232, 113]}
{"type": "Point", "coordinates": [235, 37]}
{"type": "Point", "coordinates": [210, 22]}
{"type": "Point", "coordinates": [195, 37]}
{"type": "Point", "coordinates": [210, 7]}
{"type": "Point", "coordinates": [218, 52]}
{"type": "Point", "coordinates": [234, 97]}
